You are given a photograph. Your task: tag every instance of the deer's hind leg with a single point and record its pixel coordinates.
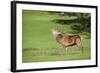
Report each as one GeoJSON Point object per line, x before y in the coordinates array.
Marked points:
{"type": "Point", "coordinates": [79, 45]}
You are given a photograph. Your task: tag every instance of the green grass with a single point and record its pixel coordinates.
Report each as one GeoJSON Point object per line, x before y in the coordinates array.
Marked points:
{"type": "Point", "coordinates": [38, 42]}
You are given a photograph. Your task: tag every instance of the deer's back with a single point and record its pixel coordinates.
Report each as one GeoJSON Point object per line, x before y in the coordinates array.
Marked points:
{"type": "Point", "coordinates": [68, 40]}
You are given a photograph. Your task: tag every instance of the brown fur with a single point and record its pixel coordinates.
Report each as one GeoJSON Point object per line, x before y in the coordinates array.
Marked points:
{"type": "Point", "coordinates": [68, 40]}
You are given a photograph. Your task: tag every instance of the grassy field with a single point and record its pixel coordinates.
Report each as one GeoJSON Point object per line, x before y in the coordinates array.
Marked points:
{"type": "Point", "coordinates": [38, 42]}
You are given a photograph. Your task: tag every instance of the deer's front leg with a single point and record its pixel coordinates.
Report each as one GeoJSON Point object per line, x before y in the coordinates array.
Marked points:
{"type": "Point", "coordinates": [65, 49]}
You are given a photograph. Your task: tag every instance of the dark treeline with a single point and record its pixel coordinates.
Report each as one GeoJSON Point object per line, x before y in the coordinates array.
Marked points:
{"type": "Point", "coordinates": [81, 24]}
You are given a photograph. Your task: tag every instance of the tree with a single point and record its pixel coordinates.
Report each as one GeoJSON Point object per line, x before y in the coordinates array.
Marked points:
{"type": "Point", "coordinates": [82, 23]}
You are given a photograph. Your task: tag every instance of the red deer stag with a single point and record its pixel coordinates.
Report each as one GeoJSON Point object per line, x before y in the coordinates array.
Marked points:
{"type": "Point", "coordinates": [67, 40]}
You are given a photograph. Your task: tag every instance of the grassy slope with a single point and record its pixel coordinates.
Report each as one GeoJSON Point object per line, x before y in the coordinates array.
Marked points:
{"type": "Point", "coordinates": [38, 42]}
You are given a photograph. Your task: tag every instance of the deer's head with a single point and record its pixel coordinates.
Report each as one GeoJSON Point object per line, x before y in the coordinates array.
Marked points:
{"type": "Point", "coordinates": [56, 32]}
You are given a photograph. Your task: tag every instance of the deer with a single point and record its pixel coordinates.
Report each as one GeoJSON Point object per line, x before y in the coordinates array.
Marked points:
{"type": "Point", "coordinates": [67, 40]}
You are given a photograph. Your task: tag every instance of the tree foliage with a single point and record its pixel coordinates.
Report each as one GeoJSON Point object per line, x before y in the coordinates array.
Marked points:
{"type": "Point", "coordinates": [81, 24]}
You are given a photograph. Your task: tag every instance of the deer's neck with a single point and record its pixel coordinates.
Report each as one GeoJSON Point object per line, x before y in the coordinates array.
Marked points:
{"type": "Point", "coordinates": [59, 37]}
